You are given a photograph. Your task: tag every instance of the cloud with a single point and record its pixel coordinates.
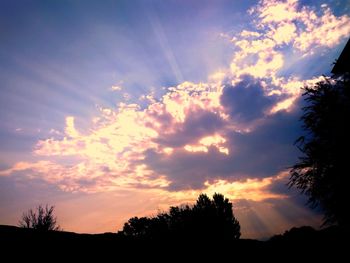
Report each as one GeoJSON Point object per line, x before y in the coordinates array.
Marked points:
{"type": "Point", "coordinates": [203, 144]}
{"type": "Point", "coordinates": [198, 124]}
{"type": "Point", "coordinates": [281, 25]}
{"type": "Point", "coordinates": [173, 149]}
{"type": "Point", "coordinates": [258, 153]}
{"type": "Point", "coordinates": [116, 88]}
{"type": "Point", "coordinates": [283, 34]}
{"type": "Point", "coordinates": [302, 26]}
{"type": "Point", "coordinates": [326, 30]}
{"type": "Point", "coordinates": [71, 178]}
{"type": "Point", "coordinates": [111, 153]}
{"type": "Point", "coordinates": [257, 57]}
{"type": "Point", "coordinates": [274, 11]}
{"type": "Point", "coordinates": [86, 176]}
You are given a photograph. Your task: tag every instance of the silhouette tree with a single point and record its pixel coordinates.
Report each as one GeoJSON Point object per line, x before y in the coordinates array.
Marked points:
{"type": "Point", "coordinates": [206, 219]}
{"type": "Point", "coordinates": [42, 219]}
{"type": "Point", "coordinates": [322, 172]}
{"type": "Point", "coordinates": [227, 223]}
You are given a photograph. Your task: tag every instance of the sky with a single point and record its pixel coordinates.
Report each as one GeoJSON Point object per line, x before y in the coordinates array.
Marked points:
{"type": "Point", "coordinates": [115, 109]}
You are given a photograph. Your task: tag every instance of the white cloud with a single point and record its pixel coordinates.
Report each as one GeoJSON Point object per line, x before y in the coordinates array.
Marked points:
{"type": "Point", "coordinates": [285, 23]}
{"type": "Point", "coordinates": [326, 30]}
{"type": "Point", "coordinates": [116, 88]}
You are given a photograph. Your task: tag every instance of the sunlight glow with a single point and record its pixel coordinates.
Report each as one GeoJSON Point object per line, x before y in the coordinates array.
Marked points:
{"type": "Point", "coordinates": [206, 142]}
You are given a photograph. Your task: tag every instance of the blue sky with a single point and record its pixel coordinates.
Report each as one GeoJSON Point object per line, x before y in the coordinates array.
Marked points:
{"type": "Point", "coordinates": [61, 58]}
{"type": "Point", "coordinates": [90, 85]}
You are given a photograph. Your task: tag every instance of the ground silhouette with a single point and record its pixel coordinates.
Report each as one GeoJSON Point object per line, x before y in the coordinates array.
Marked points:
{"type": "Point", "coordinates": [297, 243]}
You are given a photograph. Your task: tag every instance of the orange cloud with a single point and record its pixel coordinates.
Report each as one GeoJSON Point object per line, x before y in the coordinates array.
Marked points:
{"type": "Point", "coordinates": [250, 189]}
{"type": "Point", "coordinates": [88, 176]}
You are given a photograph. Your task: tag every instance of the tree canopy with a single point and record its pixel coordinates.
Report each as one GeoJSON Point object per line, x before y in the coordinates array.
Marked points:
{"type": "Point", "coordinates": [322, 172]}
{"type": "Point", "coordinates": [206, 219]}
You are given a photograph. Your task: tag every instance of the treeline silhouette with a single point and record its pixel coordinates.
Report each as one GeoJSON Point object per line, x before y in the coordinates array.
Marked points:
{"type": "Point", "coordinates": [207, 219]}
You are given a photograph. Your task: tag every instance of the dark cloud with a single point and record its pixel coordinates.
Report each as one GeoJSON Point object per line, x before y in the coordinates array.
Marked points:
{"type": "Point", "coordinates": [246, 100]}
{"type": "Point", "coordinates": [188, 170]}
{"type": "Point", "coordinates": [269, 148]}
{"type": "Point", "coordinates": [198, 123]}
{"type": "Point", "coordinates": [263, 152]}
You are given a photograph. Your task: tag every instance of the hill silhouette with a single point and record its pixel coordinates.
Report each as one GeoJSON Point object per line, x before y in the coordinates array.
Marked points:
{"type": "Point", "coordinates": [295, 243]}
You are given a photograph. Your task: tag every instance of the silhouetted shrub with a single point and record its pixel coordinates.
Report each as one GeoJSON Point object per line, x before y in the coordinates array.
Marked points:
{"type": "Point", "coordinates": [42, 219]}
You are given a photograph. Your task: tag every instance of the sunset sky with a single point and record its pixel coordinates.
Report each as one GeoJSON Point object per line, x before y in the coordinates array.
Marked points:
{"type": "Point", "coordinates": [114, 109]}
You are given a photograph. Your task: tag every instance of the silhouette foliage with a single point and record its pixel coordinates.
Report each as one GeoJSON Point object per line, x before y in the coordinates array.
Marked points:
{"type": "Point", "coordinates": [322, 173]}
{"type": "Point", "coordinates": [42, 219]}
{"type": "Point", "coordinates": [206, 219]}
